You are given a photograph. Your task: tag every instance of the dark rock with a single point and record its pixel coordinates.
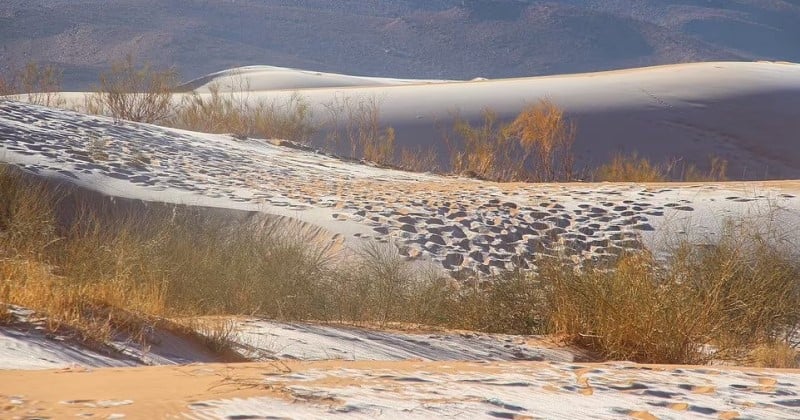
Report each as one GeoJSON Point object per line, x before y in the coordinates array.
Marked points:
{"type": "Point", "coordinates": [408, 228]}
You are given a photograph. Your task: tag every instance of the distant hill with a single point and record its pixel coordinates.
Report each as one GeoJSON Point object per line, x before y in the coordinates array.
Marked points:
{"type": "Point", "coordinates": [455, 39]}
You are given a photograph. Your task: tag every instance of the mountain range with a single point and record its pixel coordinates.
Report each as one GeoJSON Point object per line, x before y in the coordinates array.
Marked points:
{"type": "Point", "coordinates": [452, 39]}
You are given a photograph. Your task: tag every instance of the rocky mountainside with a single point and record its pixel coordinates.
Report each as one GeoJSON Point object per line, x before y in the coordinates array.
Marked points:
{"type": "Point", "coordinates": [399, 38]}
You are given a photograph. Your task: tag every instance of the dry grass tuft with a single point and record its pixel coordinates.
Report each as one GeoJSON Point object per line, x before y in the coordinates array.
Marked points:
{"type": "Point", "coordinates": [632, 168]}
{"type": "Point", "coordinates": [216, 333]}
{"type": "Point", "coordinates": [775, 355]}
{"type": "Point", "coordinates": [475, 150]}
{"type": "Point", "coordinates": [718, 169]}
{"type": "Point", "coordinates": [377, 287]}
{"type": "Point", "coordinates": [6, 317]}
{"type": "Point", "coordinates": [546, 137]}
{"type": "Point", "coordinates": [105, 270]}
{"type": "Point", "coordinates": [56, 274]}
{"type": "Point", "coordinates": [629, 169]}
{"type": "Point", "coordinates": [419, 159]}
{"type": "Point", "coordinates": [512, 303]}
{"type": "Point", "coordinates": [6, 87]}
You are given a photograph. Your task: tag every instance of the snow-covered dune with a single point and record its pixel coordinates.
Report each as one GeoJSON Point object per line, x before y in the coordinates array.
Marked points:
{"type": "Point", "coordinates": [466, 226]}
{"type": "Point", "coordinates": [405, 389]}
{"type": "Point", "coordinates": [261, 78]}
{"type": "Point", "coordinates": [746, 113]}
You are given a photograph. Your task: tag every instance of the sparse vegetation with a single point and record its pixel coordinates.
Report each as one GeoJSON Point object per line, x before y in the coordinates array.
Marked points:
{"type": "Point", "coordinates": [102, 271]}
{"type": "Point", "coordinates": [38, 84]}
{"type": "Point", "coordinates": [5, 87]}
{"type": "Point", "coordinates": [535, 147]}
{"type": "Point", "coordinates": [738, 298]}
{"type": "Point", "coordinates": [219, 112]}
{"type": "Point", "coordinates": [419, 159]}
{"type": "Point", "coordinates": [739, 293]}
{"type": "Point", "coordinates": [775, 355]}
{"type": "Point", "coordinates": [476, 153]}
{"type": "Point", "coordinates": [354, 124]}
{"type": "Point", "coordinates": [629, 169]}
{"type": "Point", "coordinates": [632, 168]}
{"type": "Point", "coordinates": [216, 114]}
{"type": "Point", "coordinates": [546, 138]}
{"type": "Point", "coordinates": [217, 333]}
{"type": "Point", "coordinates": [717, 171]}
{"type": "Point", "coordinates": [39, 264]}
{"type": "Point", "coordinates": [136, 93]}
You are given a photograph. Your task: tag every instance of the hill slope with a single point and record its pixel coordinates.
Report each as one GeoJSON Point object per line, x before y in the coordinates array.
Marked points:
{"type": "Point", "coordinates": [456, 39]}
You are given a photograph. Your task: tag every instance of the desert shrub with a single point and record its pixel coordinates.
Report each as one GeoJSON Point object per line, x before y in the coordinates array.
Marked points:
{"type": "Point", "coordinates": [5, 86]}
{"type": "Point", "coordinates": [104, 266]}
{"type": "Point", "coordinates": [41, 84]}
{"type": "Point", "coordinates": [135, 93]}
{"type": "Point", "coordinates": [381, 149]}
{"type": "Point", "coordinates": [354, 124]}
{"type": "Point", "coordinates": [218, 113]}
{"type": "Point", "coordinates": [535, 147]}
{"type": "Point", "coordinates": [718, 170]}
{"type": "Point", "coordinates": [37, 84]}
{"type": "Point", "coordinates": [510, 303]}
{"type": "Point", "coordinates": [27, 219]}
{"type": "Point", "coordinates": [375, 286]}
{"type": "Point", "coordinates": [475, 152]}
{"type": "Point", "coordinates": [289, 120]}
{"type": "Point", "coordinates": [545, 137]}
{"type": "Point", "coordinates": [244, 267]}
{"type": "Point", "coordinates": [738, 293]}
{"type": "Point", "coordinates": [37, 263]}
{"type": "Point", "coordinates": [92, 105]}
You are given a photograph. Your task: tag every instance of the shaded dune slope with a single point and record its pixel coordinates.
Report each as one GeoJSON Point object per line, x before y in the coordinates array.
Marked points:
{"type": "Point", "coordinates": [746, 113]}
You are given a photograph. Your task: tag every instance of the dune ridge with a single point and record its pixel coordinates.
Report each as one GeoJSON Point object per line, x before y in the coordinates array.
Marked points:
{"type": "Point", "coordinates": [259, 78]}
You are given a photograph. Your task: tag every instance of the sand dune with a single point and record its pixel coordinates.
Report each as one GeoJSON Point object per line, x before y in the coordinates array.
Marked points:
{"type": "Point", "coordinates": [407, 389]}
{"type": "Point", "coordinates": [465, 226]}
{"type": "Point", "coordinates": [746, 113]}
{"type": "Point", "coordinates": [24, 345]}
{"type": "Point", "coordinates": [261, 78]}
